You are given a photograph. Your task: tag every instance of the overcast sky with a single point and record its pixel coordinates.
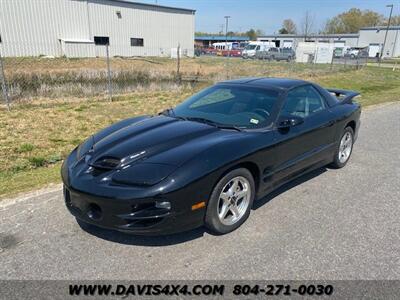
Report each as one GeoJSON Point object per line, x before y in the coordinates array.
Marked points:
{"type": "Point", "coordinates": [268, 14]}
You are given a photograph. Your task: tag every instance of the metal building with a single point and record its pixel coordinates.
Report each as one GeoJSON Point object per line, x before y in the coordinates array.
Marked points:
{"type": "Point", "coordinates": [81, 28]}
{"type": "Point", "coordinates": [373, 37]}
{"type": "Point", "coordinates": [290, 40]}
{"type": "Point", "coordinates": [208, 40]}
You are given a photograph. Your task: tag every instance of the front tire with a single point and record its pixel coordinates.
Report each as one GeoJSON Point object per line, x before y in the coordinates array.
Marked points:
{"type": "Point", "coordinates": [344, 148]}
{"type": "Point", "coordinates": [230, 202]}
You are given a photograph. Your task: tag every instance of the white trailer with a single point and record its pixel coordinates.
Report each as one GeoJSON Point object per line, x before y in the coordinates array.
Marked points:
{"type": "Point", "coordinates": [314, 52]}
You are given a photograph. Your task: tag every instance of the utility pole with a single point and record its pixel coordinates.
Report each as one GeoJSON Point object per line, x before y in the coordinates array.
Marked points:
{"type": "Point", "coordinates": [226, 33]}
{"type": "Point", "coordinates": [221, 31]}
{"type": "Point", "coordinates": [386, 33]}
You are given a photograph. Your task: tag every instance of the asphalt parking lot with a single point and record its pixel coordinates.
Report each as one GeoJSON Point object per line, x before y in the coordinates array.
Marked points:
{"type": "Point", "coordinates": [331, 224]}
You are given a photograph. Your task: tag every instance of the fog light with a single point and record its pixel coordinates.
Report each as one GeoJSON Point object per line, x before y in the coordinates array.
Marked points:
{"type": "Point", "coordinates": [94, 212]}
{"type": "Point", "coordinates": [164, 205]}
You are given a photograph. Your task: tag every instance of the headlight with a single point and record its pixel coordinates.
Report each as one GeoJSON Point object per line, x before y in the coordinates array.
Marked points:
{"type": "Point", "coordinates": [143, 174]}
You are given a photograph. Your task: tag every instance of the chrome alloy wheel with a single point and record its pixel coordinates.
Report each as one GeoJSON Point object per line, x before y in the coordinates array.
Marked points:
{"type": "Point", "coordinates": [346, 144]}
{"type": "Point", "coordinates": [234, 200]}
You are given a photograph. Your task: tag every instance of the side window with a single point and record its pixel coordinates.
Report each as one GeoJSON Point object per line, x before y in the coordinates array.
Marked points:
{"type": "Point", "coordinates": [303, 102]}
{"type": "Point", "coordinates": [315, 102]}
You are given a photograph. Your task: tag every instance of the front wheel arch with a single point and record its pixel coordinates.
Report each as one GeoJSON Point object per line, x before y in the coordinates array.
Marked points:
{"type": "Point", "coordinates": [351, 124]}
{"type": "Point", "coordinates": [250, 166]}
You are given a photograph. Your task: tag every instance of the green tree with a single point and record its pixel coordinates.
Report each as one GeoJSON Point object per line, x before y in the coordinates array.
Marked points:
{"type": "Point", "coordinates": [252, 34]}
{"type": "Point", "coordinates": [288, 26]}
{"type": "Point", "coordinates": [352, 20]}
{"type": "Point", "coordinates": [260, 32]}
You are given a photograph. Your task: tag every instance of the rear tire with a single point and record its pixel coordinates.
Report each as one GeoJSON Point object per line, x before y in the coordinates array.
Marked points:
{"type": "Point", "coordinates": [230, 202]}
{"type": "Point", "coordinates": [344, 148]}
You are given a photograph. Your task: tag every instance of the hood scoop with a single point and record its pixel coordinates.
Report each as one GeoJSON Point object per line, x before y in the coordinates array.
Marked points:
{"type": "Point", "coordinates": [106, 163]}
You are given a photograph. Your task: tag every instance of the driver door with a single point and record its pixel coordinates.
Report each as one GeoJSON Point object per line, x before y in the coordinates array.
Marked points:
{"type": "Point", "coordinates": [303, 146]}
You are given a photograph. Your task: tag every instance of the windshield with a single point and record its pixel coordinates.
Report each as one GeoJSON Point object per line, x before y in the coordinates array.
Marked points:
{"type": "Point", "coordinates": [250, 47]}
{"type": "Point", "coordinates": [237, 106]}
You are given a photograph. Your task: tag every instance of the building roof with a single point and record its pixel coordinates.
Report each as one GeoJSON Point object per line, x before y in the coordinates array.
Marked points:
{"type": "Point", "coordinates": [154, 5]}
{"type": "Point", "coordinates": [336, 35]}
{"type": "Point", "coordinates": [381, 28]}
{"type": "Point", "coordinates": [220, 38]}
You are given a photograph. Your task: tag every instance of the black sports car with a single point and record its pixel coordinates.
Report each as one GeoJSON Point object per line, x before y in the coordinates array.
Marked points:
{"type": "Point", "coordinates": [206, 160]}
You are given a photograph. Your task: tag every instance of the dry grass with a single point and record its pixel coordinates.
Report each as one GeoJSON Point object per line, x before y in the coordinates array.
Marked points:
{"type": "Point", "coordinates": [32, 78]}
{"type": "Point", "coordinates": [37, 134]}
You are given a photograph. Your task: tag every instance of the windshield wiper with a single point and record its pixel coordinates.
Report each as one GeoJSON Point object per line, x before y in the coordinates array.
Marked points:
{"type": "Point", "coordinates": [169, 112]}
{"type": "Point", "coordinates": [212, 123]}
{"type": "Point", "coordinates": [223, 126]}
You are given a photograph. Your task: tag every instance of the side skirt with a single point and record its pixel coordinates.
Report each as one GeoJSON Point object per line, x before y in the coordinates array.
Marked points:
{"type": "Point", "coordinates": [320, 164]}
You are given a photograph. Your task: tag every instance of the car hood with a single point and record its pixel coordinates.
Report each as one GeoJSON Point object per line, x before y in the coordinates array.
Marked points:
{"type": "Point", "coordinates": [158, 139]}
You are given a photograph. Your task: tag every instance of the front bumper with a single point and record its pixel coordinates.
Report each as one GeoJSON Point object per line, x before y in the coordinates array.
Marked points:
{"type": "Point", "coordinates": [132, 209]}
{"type": "Point", "coordinates": [136, 216]}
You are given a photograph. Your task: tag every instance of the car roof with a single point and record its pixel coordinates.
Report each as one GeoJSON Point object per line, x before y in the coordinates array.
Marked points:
{"type": "Point", "coordinates": [277, 83]}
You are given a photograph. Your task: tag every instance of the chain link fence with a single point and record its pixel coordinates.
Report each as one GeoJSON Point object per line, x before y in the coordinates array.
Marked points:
{"type": "Point", "coordinates": [25, 78]}
{"type": "Point", "coordinates": [107, 77]}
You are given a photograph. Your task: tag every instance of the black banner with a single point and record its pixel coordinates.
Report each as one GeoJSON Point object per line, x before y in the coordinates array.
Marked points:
{"type": "Point", "coordinates": [39, 289]}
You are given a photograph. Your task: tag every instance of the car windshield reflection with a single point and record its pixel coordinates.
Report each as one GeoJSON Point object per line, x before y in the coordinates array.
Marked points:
{"type": "Point", "coordinates": [225, 105]}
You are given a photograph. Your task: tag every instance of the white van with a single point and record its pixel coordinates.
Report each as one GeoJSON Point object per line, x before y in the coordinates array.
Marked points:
{"type": "Point", "coordinates": [251, 49]}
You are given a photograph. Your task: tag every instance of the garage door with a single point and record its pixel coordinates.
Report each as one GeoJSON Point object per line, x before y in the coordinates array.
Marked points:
{"type": "Point", "coordinates": [374, 50]}
{"type": "Point", "coordinates": [339, 44]}
{"type": "Point", "coordinates": [287, 44]}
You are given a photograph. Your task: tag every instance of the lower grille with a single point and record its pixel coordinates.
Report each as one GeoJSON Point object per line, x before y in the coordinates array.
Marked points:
{"type": "Point", "coordinates": [144, 215]}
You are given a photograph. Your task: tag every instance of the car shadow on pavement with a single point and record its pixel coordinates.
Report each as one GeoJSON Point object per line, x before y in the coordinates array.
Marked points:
{"type": "Point", "coordinates": [140, 240]}
{"type": "Point", "coordinates": [260, 202]}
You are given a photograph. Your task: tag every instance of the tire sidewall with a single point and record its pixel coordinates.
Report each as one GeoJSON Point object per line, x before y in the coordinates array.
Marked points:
{"type": "Point", "coordinates": [211, 219]}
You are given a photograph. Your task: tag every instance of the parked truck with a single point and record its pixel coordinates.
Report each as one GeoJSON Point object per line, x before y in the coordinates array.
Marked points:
{"type": "Point", "coordinates": [278, 54]}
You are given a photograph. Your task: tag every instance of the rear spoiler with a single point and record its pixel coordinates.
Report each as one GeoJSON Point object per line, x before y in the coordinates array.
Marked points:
{"type": "Point", "coordinates": [344, 96]}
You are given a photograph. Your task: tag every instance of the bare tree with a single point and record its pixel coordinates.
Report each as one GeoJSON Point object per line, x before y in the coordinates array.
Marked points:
{"type": "Point", "coordinates": [289, 26]}
{"type": "Point", "coordinates": [307, 24]}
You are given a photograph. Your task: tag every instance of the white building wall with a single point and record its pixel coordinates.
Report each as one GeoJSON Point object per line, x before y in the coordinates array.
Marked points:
{"type": "Point", "coordinates": [41, 27]}
{"type": "Point", "coordinates": [348, 41]}
{"type": "Point", "coordinates": [161, 29]}
{"type": "Point", "coordinates": [375, 36]}
{"type": "Point", "coordinates": [78, 48]}
{"type": "Point", "coordinates": [32, 28]}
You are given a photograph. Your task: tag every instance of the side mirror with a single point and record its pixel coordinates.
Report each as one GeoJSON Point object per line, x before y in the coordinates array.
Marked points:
{"type": "Point", "coordinates": [285, 122]}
